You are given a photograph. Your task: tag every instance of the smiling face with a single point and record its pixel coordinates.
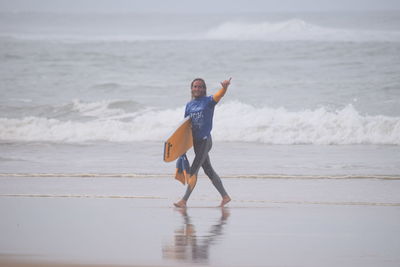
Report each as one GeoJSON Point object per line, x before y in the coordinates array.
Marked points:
{"type": "Point", "coordinates": [198, 88]}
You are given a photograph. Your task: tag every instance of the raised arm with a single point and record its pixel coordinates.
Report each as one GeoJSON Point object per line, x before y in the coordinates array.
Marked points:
{"type": "Point", "coordinates": [218, 95]}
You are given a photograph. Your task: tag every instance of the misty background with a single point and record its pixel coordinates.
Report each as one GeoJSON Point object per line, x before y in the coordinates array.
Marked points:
{"type": "Point", "coordinates": [191, 6]}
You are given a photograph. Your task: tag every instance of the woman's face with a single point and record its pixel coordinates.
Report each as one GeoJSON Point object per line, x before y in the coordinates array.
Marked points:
{"type": "Point", "coordinates": [198, 89]}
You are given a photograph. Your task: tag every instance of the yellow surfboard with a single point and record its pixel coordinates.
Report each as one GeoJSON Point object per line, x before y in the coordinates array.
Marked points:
{"type": "Point", "coordinates": [179, 142]}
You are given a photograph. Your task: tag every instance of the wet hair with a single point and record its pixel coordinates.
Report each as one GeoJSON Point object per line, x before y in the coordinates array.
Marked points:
{"type": "Point", "coordinates": [204, 86]}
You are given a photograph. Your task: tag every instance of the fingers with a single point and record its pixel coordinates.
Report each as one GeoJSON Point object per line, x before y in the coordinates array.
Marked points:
{"type": "Point", "coordinates": [226, 83]}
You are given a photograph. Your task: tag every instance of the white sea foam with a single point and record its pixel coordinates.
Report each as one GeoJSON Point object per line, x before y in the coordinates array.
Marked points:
{"type": "Point", "coordinates": [320, 126]}
{"type": "Point", "coordinates": [294, 30]}
{"type": "Point", "coordinates": [96, 109]}
{"type": "Point", "coordinates": [286, 30]}
{"type": "Point", "coordinates": [234, 121]}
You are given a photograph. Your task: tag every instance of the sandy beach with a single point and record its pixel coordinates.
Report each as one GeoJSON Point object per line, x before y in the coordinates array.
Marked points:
{"type": "Point", "coordinates": [72, 221]}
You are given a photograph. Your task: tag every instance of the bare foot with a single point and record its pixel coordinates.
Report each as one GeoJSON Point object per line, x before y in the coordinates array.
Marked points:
{"type": "Point", "coordinates": [225, 201]}
{"type": "Point", "coordinates": [180, 204]}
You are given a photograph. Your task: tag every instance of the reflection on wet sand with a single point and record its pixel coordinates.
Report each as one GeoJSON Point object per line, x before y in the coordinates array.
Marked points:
{"type": "Point", "coordinates": [191, 246]}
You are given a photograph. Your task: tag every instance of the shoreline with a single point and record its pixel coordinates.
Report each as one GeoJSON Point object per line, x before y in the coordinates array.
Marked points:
{"type": "Point", "coordinates": [239, 176]}
{"type": "Point", "coordinates": [150, 232]}
{"type": "Point", "coordinates": [106, 221]}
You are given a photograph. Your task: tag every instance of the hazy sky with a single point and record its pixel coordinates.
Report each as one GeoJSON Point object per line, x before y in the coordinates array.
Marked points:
{"type": "Point", "coordinates": [196, 6]}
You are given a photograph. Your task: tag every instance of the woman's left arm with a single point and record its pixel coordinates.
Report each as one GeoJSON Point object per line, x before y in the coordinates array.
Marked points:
{"type": "Point", "coordinates": [218, 95]}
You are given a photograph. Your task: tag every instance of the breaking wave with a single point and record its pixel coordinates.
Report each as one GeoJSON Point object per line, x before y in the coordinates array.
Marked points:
{"type": "Point", "coordinates": [295, 30]}
{"type": "Point", "coordinates": [234, 121]}
{"type": "Point", "coordinates": [287, 30]}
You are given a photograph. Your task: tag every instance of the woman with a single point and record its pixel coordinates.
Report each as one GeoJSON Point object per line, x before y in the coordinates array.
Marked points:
{"type": "Point", "coordinates": [201, 111]}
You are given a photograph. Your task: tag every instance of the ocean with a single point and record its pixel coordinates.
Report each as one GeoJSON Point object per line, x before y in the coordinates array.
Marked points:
{"type": "Point", "coordinates": [312, 94]}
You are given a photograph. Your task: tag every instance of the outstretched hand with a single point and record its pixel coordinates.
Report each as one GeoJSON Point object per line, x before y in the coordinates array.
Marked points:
{"type": "Point", "coordinates": [226, 83]}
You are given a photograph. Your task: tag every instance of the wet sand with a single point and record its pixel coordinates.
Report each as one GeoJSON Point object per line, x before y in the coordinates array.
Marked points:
{"type": "Point", "coordinates": [131, 222]}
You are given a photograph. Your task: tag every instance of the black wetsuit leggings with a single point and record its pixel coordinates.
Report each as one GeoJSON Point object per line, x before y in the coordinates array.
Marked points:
{"type": "Point", "coordinates": [201, 159]}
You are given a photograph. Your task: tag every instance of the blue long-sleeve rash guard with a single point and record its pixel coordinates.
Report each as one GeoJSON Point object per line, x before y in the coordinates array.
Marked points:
{"type": "Point", "coordinates": [201, 111]}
